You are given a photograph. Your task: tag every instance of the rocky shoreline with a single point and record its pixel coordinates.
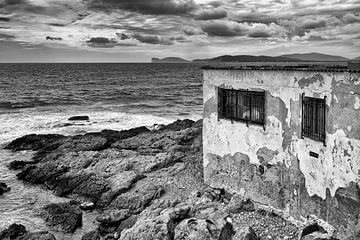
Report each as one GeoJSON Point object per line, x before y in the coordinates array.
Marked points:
{"type": "Point", "coordinates": [144, 184]}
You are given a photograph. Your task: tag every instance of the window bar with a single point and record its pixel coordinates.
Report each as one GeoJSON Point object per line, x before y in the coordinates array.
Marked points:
{"type": "Point", "coordinates": [303, 115]}
{"type": "Point", "coordinates": [220, 105]}
{"type": "Point", "coordinates": [324, 125]}
{"type": "Point", "coordinates": [263, 111]}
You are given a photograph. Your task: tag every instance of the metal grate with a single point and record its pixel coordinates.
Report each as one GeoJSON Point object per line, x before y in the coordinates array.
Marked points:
{"type": "Point", "coordinates": [313, 118]}
{"type": "Point", "coordinates": [242, 105]}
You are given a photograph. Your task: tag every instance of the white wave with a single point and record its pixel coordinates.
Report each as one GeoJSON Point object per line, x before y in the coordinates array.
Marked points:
{"type": "Point", "coordinates": [14, 125]}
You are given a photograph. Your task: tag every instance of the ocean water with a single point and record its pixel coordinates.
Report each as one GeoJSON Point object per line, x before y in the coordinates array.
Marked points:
{"type": "Point", "coordinates": [39, 98]}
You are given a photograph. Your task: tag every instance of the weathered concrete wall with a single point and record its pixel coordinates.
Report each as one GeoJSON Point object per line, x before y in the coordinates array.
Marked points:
{"type": "Point", "coordinates": [273, 166]}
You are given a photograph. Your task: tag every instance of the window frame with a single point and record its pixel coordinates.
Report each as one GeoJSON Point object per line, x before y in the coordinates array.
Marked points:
{"type": "Point", "coordinates": [247, 95]}
{"type": "Point", "coordinates": [307, 121]}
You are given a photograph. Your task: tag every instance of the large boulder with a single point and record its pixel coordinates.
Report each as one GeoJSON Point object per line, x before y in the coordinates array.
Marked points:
{"type": "Point", "coordinates": [13, 231]}
{"type": "Point", "coordinates": [18, 232]}
{"type": "Point", "coordinates": [4, 188]}
{"type": "Point", "coordinates": [65, 217]}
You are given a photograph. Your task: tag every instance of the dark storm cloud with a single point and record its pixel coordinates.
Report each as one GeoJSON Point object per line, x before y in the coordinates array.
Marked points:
{"type": "Point", "coordinates": [54, 38]}
{"type": "Point", "coordinates": [4, 36]}
{"type": "Point", "coordinates": [151, 39]}
{"type": "Point", "coordinates": [259, 34]}
{"type": "Point", "coordinates": [313, 24]}
{"type": "Point", "coordinates": [223, 29]}
{"type": "Point", "coordinates": [13, 2]}
{"type": "Point", "coordinates": [57, 24]}
{"type": "Point", "coordinates": [155, 7]}
{"type": "Point", "coordinates": [5, 19]}
{"type": "Point", "coordinates": [103, 42]}
{"type": "Point", "coordinates": [208, 14]}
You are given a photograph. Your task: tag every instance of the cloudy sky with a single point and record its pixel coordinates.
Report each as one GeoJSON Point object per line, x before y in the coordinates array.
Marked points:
{"type": "Point", "coordinates": [136, 30]}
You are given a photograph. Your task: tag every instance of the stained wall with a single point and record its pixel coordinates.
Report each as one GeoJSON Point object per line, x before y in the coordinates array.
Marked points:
{"type": "Point", "coordinates": [273, 165]}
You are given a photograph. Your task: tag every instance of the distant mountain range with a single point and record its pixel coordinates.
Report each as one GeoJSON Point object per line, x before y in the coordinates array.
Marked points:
{"type": "Point", "coordinates": [247, 58]}
{"type": "Point", "coordinates": [316, 57]}
{"type": "Point", "coordinates": [169, 60]}
{"type": "Point", "coordinates": [298, 57]}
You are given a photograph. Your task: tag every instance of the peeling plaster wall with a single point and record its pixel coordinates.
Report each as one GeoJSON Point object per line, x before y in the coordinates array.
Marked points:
{"type": "Point", "coordinates": [279, 152]}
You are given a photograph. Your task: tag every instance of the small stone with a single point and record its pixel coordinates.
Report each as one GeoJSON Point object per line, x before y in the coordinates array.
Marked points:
{"type": "Point", "coordinates": [79, 118]}
{"type": "Point", "coordinates": [87, 206]}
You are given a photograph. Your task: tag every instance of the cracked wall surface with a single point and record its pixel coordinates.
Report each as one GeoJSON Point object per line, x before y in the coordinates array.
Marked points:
{"type": "Point", "coordinates": [273, 165]}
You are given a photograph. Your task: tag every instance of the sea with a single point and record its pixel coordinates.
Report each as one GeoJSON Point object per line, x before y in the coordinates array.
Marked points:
{"type": "Point", "coordinates": [40, 98]}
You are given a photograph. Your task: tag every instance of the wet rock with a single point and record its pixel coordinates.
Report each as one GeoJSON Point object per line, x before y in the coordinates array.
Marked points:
{"type": "Point", "coordinates": [4, 188]}
{"type": "Point", "coordinates": [79, 118]}
{"type": "Point", "coordinates": [179, 125]}
{"type": "Point", "coordinates": [16, 165]}
{"type": "Point", "coordinates": [18, 231]}
{"type": "Point", "coordinates": [33, 142]}
{"type": "Point", "coordinates": [93, 235]}
{"type": "Point", "coordinates": [65, 217]}
{"type": "Point", "coordinates": [13, 231]}
{"type": "Point", "coordinates": [246, 234]}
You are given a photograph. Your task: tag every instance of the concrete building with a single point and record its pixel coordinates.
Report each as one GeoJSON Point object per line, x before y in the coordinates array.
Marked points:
{"type": "Point", "coordinates": [286, 137]}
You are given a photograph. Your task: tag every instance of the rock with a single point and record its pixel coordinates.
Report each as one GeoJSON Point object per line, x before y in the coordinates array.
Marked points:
{"type": "Point", "coordinates": [179, 125]}
{"type": "Point", "coordinates": [156, 226]}
{"type": "Point", "coordinates": [18, 231]}
{"type": "Point", "coordinates": [137, 201]}
{"type": "Point", "coordinates": [64, 217]}
{"type": "Point", "coordinates": [113, 216]}
{"type": "Point", "coordinates": [93, 235]}
{"type": "Point", "coordinates": [40, 236]}
{"type": "Point", "coordinates": [246, 234]}
{"type": "Point", "coordinates": [204, 229]}
{"type": "Point", "coordinates": [87, 206]}
{"type": "Point", "coordinates": [127, 223]}
{"type": "Point", "coordinates": [34, 142]}
{"type": "Point", "coordinates": [4, 188]}
{"type": "Point", "coordinates": [13, 231]}
{"type": "Point", "coordinates": [79, 118]}
{"type": "Point", "coordinates": [16, 165]}
{"type": "Point", "coordinates": [239, 204]}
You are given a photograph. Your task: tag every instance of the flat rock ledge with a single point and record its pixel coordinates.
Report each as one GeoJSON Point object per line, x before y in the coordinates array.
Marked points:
{"type": "Point", "coordinates": [145, 184]}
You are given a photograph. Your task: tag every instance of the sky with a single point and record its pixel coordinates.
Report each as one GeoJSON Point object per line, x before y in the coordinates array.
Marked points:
{"type": "Point", "coordinates": [137, 30]}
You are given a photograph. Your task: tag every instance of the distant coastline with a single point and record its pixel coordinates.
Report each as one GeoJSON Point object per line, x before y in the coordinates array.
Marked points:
{"type": "Point", "coordinates": [288, 58]}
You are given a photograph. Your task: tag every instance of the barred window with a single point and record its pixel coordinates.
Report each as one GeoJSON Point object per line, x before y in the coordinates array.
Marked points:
{"type": "Point", "coordinates": [242, 105]}
{"type": "Point", "coordinates": [313, 118]}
